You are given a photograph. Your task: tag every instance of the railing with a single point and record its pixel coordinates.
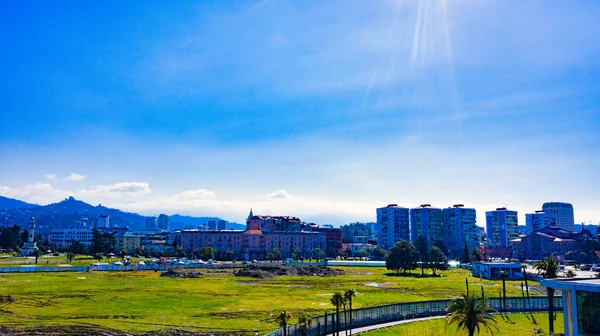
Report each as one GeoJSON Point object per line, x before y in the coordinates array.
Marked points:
{"type": "Point", "coordinates": [149, 267]}
{"type": "Point", "coordinates": [362, 317]}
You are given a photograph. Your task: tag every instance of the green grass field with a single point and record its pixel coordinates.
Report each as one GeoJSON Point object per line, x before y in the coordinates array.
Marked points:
{"type": "Point", "coordinates": [518, 324]}
{"type": "Point", "coordinates": [219, 302]}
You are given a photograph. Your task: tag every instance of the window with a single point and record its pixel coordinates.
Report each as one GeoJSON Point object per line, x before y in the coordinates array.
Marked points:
{"type": "Point", "coordinates": [588, 313]}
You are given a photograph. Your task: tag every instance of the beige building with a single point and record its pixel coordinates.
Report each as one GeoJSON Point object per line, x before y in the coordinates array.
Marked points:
{"type": "Point", "coordinates": [127, 241]}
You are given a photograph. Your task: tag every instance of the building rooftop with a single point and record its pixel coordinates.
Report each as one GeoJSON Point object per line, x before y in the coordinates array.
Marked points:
{"type": "Point", "coordinates": [591, 284]}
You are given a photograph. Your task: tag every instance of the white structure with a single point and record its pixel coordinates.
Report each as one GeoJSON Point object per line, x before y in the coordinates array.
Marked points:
{"type": "Point", "coordinates": [502, 226]}
{"type": "Point", "coordinates": [535, 221]}
{"type": "Point", "coordinates": [392, 225]}
{"type": "Point", "coordinates": [559, 214]}
{"type": "Point", "coordinates": [460, 227]}
{"type": "Point", "coordinates": [29, 246]}
{"type": "Point", "coordinates": [64, 237]}
{"type": "Point", "coordinates": [102, 221]}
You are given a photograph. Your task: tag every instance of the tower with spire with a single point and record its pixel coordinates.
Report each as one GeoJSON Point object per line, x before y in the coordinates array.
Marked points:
{"type": "Point", "coordinates": [29, 246]}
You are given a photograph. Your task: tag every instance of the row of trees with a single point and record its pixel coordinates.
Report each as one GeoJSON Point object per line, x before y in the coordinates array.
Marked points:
{"type": "Point", "coordinates": [405, 256]}
{"type": "Point", "coordinates": [343, 307]}
{"type": "Point", "coordinates": [467, 312]}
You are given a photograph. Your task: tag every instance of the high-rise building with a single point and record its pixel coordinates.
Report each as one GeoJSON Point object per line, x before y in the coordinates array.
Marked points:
{"type": "Point", "coordinates": [559, 214]}
{"type": "Point", "coordinates": [102, 222]}
{"type": "Point", "coordinates": [535, 221]}
{"type": "Point", "coordinates": [151, 223]}
{"type": "Point", "coordinates": [392, 225]}
{"type": "Point", "coordinates": [426, 221]}
{"type": "Point", "coordinates": [502, 227]}
{"type": "Point", "coordinates": [221, 224]}
{"type": "Point", "coordinates": [163, 222]}
{"type": "Point", "coordinates": [460, 227]}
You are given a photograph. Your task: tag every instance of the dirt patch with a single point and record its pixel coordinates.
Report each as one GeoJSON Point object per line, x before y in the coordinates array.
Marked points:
{"type": "Point", "coordinates": [181, 274]}
{"type": "Point", "coordinates": [265, 272]}
{"type": "Point", "coordinates": [6, 299]}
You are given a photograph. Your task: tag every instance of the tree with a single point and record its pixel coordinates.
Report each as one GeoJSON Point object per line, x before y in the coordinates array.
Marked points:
{"type": "Point", "coordinates": [318, 253]}
{"type": "Point", "coordinates": [70, 257]}
{"type": "Point", "coordinates": [337, 300]}
{"type": "Point", "coordinates": [440, 244]}
{"type": "Point", "coordinates": [36, 254]}
{"type": "Point", "coordinates": [466, 256]}
{"type": "Point", "coordinates": [421, 245]}
{"type": "Point", "coordinates": [570, 274]}
{"type": "Point", "coordinates": [379, 253]}
{"type": "Point", "coordinates": [283, 318]}
{"type": "Point", "coordinates": [569, 255]}
{"type": "Point", "coordinates": [362, 254]}
{"type": "Point", "coordinates": [549, 269]}
{"type": "Point", "coordinates": [206, 253]}
{"type": "Point", "coordinates": [98, 256]}
{"type": "Point", "coordinates": [76, 247]}
{"type": "Point", "coordinates": [436, 259]}
{"type": "Point", "coordinates": [475, 255]}
{"type": "Point", "coordinates": [10, 238]}
{"type": "Point", "coordinates": [403, 255]}
{"type": "Point", "coordinates": [304, 324]}
{"type": "Point", "coordinates": [297, 254]}
{"type": "Point", "coordinates": [348, 295]}
{"type": "Point", "coordinates": [469, 314]}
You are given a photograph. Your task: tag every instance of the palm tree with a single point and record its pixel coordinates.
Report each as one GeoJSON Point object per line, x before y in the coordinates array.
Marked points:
{"type": "Point", "coordinates": [304, 323]}
{"type": "Point", "coordinates": [337, 300]}
{"type": "Point", "coordinates": [470, 313]}
{"type": "Point", "coordinates": [283, 318]}
{"type": "Point", "coordinates": [348, 295]}
{"type": "Point", "coordinates": [570, 274]}
{"type": "Point", "coordinates": [548, 268]}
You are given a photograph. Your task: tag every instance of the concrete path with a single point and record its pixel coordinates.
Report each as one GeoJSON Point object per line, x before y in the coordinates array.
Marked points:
{"type": "Point", "coordinates": [356, 331]}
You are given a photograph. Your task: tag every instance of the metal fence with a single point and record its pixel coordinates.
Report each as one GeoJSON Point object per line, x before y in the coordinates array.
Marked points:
{"type": "Point", "coordinates": [362, 317]}
{"type": "Point", "coordinates": [149, 267]}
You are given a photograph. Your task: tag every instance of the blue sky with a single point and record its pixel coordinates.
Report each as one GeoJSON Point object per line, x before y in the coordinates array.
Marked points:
{"type": "Point", "coordinates": [323, 110]}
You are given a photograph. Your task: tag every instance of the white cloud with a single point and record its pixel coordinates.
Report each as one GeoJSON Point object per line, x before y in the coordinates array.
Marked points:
{"type": "Point", "coordinates": [279, 194]}
{"type": "Point", "coordinates": [118, 190]}
{"type": "Point", "coordinates": [75, 177]}
{"type": "Point", "coordinates": [198, 194]}
{"type": "Point", "coordinates": [50, 177]}
{"type": "Point", "coordinates": [41, 193]}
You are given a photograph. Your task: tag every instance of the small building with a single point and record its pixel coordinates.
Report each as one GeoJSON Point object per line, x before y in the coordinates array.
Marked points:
{"type": "Point", "coordinates": [491, 270]}
{"type": "Point", "coordinates": [127, 241]}
{"type": "Point", "coordinates": [581, 304]}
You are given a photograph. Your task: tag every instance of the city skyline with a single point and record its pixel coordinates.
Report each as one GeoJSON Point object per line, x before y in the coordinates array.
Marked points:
{"type": "Point", "coordinates": [325, 111]}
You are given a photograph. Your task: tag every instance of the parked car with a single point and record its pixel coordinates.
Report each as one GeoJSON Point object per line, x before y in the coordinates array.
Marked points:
{"type": "Point", "coordinates": [141, 263]}
{"type": "Point", "coordinates": [586, 267]}
{"type": "Point", "coordinates": [117, 263]}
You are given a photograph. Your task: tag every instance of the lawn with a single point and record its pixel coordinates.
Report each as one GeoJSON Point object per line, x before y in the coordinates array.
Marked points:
{"type": "Point", "coordinates": [218, 302]}
{"type": "Point", "coordinates": [517, 324]}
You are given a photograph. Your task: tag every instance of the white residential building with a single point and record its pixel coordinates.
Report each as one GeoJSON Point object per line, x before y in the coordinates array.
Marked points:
{"type": "Point", "coordinates": [64, 237]}
{"type": "Point", "coordinates": [559, 214]}
{"type": "Point", "coordinates": [535, 221]}
{"type": "Point", "coordinates": [392, 225]}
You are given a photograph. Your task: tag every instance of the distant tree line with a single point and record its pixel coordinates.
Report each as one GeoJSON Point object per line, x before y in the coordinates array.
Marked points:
{"type": "Point", "coordinates": [405, 256]}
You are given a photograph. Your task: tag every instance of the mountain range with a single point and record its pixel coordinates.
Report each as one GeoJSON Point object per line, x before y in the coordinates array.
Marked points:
{"type": "Point", "coordinates": [66, 213]}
